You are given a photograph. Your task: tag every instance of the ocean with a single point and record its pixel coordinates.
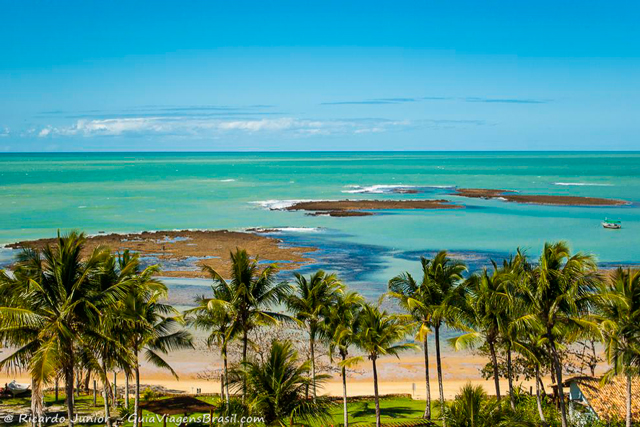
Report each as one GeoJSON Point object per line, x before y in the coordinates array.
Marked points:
{"type": "Point", "coordinates": [129, 192]}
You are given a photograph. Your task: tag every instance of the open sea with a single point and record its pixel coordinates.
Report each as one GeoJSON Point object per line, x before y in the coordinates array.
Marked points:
{"type": "Point", "coordinates": [129, 192]}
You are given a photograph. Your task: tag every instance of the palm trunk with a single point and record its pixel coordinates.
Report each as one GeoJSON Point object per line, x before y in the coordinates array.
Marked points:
{"type": "Point", "coordinates": [628, 400]}
{"type": "Point", "coordinates": [87, 379]}
{"type": "Point", "coordinates": [126, 389]}
{"type": "Point", "coordinates": [36, 403]}
{"type": "Point", "coordinates": [105, 394]}
{"type": "Point", "coordinates": [512, 397]}
{"type": "Point", "coordinates": [313, 368]}
{"type": "Point", "coordinates": [496, 374]}
{"type": "Point", "coordinates": [439, 366]}
{"type": "Point", "coordinates": [245, 341]}
{"type": "Point", "coordinates": [136, 397]}
{"type": "Point", "coordinates": [375, 391]}
{"type": "Point", "coordinates": [226, 378]}
{"type": "Point", "coordinates": [68, 386]}
{"type": "Point", "coordinates": [538, 398]}
{"type": "Point", "coordinates": [558, 369]}
{"type": "Point", "coordinates": [115, 390]}
{"type": "Point", "coordinates": [427, 409]}
{"type": "Point", "coordinates": [344, 393]}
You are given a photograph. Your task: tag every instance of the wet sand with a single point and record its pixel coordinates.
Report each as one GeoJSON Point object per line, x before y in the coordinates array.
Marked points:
{"type": "Point", "coordinates": [347, 207]}
{"type": "Point", "coordinates": [511, 196]}
{"type": "Point", "coordinates": [183, 253]}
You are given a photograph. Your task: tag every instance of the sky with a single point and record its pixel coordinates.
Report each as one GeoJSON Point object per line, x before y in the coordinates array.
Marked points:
{"type": "Point", "coordinates": [319, 75]}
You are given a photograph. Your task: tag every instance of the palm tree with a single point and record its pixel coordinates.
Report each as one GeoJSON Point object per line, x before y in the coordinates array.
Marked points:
{"type": "Point", "coordinates": [151, 327]}
{"type": "Point", "coordinates": [253, 291]}
{"type": "Point", "coordinates": [447, 303]}
{"type": "Point", "coordinates": [276, 388]}
{"type": "Point", "coordinates": [487, 314]}
{"type": "Point", "coordinates": [341, 328]}
{"type": "Point", "coordinates": [559, 295]}
{"type": "Point", "coordinates": [310, 305]}
{"type": "Point", "coordinates": [57, 309]}
{"type": "Point", "coordinates": [216, 316]}
{"type": "Point", "coordinates": [105, 354]}
{"type": "Point", "coordinates": [417, 298]}
{"type": "Point", "coordinates": [472, 408]}
{"type": "Point", "coordinates": [378, 335]}
{"type": "Point", "coordinates": [619, 315]}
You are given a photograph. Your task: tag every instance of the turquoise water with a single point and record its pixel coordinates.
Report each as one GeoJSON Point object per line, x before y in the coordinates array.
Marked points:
{"type": "Point", "coordinates": [41, 193]}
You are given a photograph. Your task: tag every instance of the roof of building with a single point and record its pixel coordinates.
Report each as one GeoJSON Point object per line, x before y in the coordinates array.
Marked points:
{"type": "Point", "coordinates": [609, 401]}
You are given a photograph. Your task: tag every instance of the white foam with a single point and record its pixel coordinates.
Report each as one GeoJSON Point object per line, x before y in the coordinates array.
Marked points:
{"type": "Point", "coordinates": [386, 188]}
{"type": "Point", "coordinates": [289, 229]}
{"type": "Point", "coordinates": [581, 184]}
{"type": "Point", "coordinates": [278, 205]}
{"type": "Point", "coordinates": [228, 180]}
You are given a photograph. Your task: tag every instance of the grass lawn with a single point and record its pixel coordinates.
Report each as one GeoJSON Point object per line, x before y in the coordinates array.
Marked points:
{"type": "Point", "coordinates": [394, 410]}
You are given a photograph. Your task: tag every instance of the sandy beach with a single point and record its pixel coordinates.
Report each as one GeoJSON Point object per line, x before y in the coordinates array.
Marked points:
{"type": "Point", "coordinates": [404, 375]}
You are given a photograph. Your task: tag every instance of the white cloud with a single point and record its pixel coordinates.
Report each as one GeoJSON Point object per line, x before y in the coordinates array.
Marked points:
{"type": "Point", "coordinates": [4, 132]}
{"type": "Point", "coordinates": [189, 126]}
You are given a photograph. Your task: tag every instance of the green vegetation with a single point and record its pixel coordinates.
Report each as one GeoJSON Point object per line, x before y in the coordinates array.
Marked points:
{"type": "Point", "coordinates": [73, 316]}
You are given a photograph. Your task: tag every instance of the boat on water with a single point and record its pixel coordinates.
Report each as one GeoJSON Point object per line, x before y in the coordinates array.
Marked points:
{"type": "Point", "coordinates": [612, 224]}
{"type": "Point", "coordinates": [17, 389]}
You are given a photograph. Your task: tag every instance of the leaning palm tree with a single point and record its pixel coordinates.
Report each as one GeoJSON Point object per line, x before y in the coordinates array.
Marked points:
{"type": "Point", "coordinates": [216, 316]}
{"type": "Point", "coordinates": [253, 292]}
{"type": "Point", "coordinates": [559, 295]}
{"type": "Point", "coordinates": [276, 388]}
{"type": "Point", "coordinates": [379, 335]}
{"type": "Point", "coordinates": [619, 314]}
{"type": "Point", "coordinates": [310, 304]}
{"type": "Point", "coordinates": [340, 328]}
{"type": "Point", "coordinates": [150, 326]}
{"type": "Point", "coordinates": [57, 309]}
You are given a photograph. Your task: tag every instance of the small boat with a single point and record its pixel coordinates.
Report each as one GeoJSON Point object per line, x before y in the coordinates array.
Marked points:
{"type": "Point", "coordinates": [17, 389]}
{"type": "Point", "coordinates": [612, 224]}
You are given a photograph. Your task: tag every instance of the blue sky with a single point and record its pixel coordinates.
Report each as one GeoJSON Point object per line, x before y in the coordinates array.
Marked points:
{"type": "Point", "coordinates": [319, 75]}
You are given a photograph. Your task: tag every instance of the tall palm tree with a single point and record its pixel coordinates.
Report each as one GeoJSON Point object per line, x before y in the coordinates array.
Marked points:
{"type": "Point", "coordinates": [253, 292]}
{"type": "Point", "coordinates": [340, 328]}
{"type": "Point", "coordinates": [216, 316]}
{"type": "Point", "coordinates": [417, 298]}
{"type": "Point", "coordinates": [57, 309]}
{"type": "Point", "coordinates": [151, 326]}
{"type": "Point", "coordinates": [103, 355]}
{"type": "Point", "coordinates": [447, 304]}
{"type": "Point", "coordinates": [619, 315]}
{"type": "Point", "coordinates": [310, 304]}
{"type": "Point", "coordinates": [276, 388]}
{"type": "Point", "coordinates": [379, 335]}
{"type": "Point", "coordinates": [559, 295]}
{"type": "Point", "coordinates": [488, 315]}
